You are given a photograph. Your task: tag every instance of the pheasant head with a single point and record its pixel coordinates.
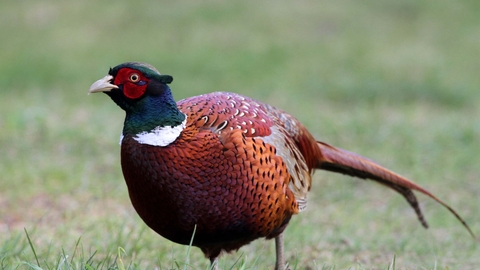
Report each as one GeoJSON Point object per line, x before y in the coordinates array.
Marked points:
{"type": "Point", "coordinates": [143, 93]}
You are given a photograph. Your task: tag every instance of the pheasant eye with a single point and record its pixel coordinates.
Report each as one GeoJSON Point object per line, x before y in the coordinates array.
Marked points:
{"type": "Point", "coordinates": [134, 77]}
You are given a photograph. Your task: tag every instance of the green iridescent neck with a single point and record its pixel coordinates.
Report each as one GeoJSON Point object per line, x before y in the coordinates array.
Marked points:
{"type": "Point", "coordinates": [152, 112]}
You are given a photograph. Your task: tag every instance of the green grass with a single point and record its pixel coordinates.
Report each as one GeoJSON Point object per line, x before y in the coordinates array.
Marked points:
{"type": "Point", "coordinates": [396, 81]}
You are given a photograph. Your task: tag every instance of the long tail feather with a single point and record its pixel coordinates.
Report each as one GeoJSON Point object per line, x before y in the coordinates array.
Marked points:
{"type": "Point", "coordinates": [342, 161]}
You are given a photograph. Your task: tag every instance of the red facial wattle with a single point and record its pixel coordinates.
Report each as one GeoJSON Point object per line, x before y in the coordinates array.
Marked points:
{"type": "Point", "coordinates": [134, 83]}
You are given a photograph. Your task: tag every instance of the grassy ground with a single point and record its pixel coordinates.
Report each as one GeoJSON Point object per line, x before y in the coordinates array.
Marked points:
{"type": "Point", "coordinates": [396, 81]}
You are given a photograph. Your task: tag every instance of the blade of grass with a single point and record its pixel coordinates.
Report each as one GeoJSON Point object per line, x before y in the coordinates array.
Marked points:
{"type": "Point", "coordinates": [189, 247]}
{"type": "Point", "coordinates": [392, 265]}
{"type": "Point", "coordinates": [75, 250]}
{"type": "Point", "coordinates": [237, 260]}
{"type": "Point", "coordinates": [33, 266]}
{"type": "Point", "coordinates": [120, 251]}
{"type": "Point", "coordinates": [31, 246]}
{"type": "Point", "coordinates": [63, 261]}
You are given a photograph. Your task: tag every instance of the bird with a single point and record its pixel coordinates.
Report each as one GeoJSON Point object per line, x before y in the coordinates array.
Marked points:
{"type": "Point", "coordinates": [220, 170]}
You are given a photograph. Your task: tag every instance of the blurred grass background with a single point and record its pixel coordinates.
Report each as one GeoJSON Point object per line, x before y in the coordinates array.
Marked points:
{"type": "Point", "coordinates": [396, 81]}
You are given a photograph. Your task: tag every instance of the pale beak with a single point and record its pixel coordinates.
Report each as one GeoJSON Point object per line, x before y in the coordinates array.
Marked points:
{"type": "Point", "coordinates": [102, 85]}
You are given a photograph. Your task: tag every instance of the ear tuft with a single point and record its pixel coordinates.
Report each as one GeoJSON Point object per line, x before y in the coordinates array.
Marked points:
{"type": "Point", "coordinates": [166, 79]}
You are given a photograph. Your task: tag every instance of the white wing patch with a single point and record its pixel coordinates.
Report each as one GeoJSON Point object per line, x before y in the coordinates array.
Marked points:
{"type": "Point", "coordinates": [160, 136]}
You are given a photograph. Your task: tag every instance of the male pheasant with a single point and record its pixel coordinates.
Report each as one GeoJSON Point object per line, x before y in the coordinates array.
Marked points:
{"type": "Point", "coordinates": [234, 168]}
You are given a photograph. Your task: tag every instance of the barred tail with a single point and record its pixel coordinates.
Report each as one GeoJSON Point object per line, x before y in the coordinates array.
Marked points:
{"type": "Point", "coordinates": [345, 162]}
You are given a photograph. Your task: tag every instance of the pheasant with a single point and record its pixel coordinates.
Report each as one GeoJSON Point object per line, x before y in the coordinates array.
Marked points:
{"type": "Point", "coordinates": [230, 167]}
